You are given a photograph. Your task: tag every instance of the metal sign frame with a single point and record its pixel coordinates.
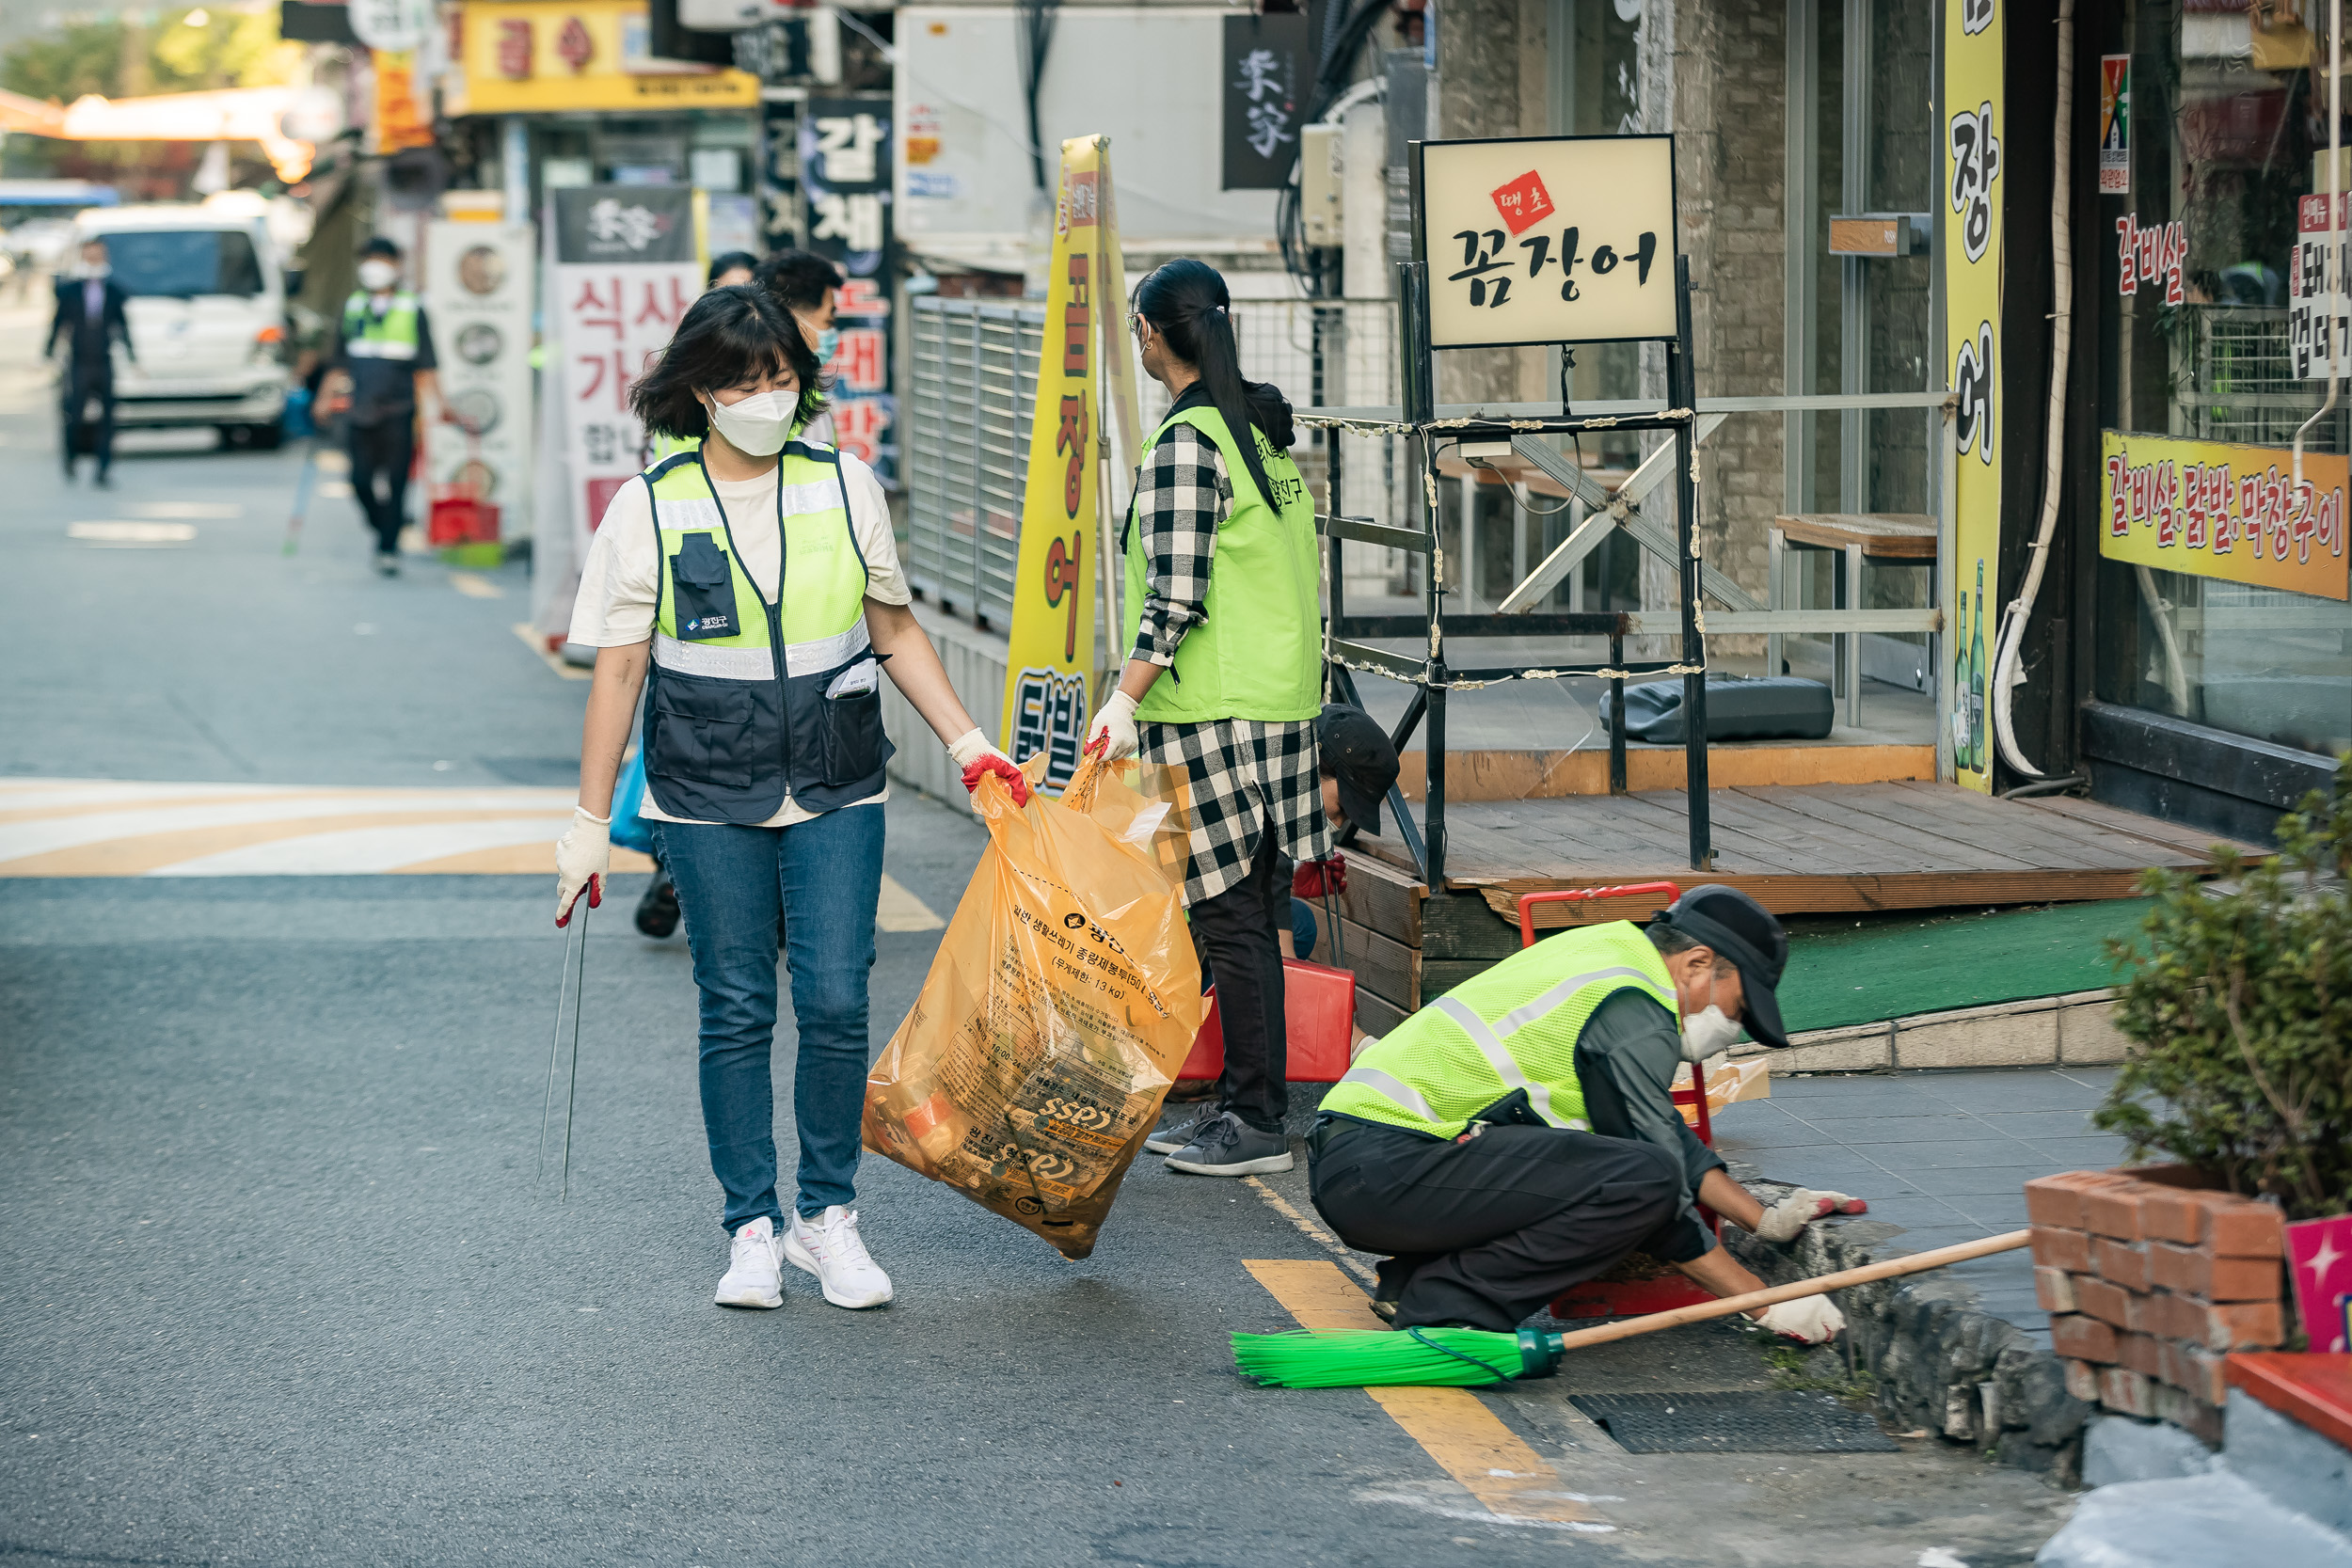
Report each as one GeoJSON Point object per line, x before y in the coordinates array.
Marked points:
{"type": "Point", "coordinates": [1433, 673]}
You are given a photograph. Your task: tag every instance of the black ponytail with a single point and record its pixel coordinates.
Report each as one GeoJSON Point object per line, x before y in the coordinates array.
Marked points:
{"type": "Point", "coordinates": [1186, 302]}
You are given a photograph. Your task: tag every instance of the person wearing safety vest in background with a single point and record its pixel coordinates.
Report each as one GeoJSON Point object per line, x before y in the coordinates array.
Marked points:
{"type": "Point", "coordinates": [383, 367]}
{"type": "Point", "coordinates": [1518, 1134]}
{"type": "Point", "coordinates": [1223, 686]}
{"type": "Point", "coordinates": [751, 587]}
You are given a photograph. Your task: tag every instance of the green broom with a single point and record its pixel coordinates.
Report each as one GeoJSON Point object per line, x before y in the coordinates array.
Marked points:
{"type": "Point", "coordinates": [1471, 1357]}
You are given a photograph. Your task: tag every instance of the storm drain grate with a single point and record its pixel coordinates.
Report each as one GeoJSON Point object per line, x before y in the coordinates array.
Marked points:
{"type": "Point", "coordinates": [1777, 1422]}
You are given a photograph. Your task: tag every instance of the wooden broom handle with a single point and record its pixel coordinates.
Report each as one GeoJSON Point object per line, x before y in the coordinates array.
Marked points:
{"type": "Point", "coordinates": [1894, 1267]}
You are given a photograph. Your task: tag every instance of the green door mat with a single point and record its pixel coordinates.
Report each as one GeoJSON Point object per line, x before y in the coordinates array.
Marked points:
{"type": "Point", "coordinates": [1841, 974]}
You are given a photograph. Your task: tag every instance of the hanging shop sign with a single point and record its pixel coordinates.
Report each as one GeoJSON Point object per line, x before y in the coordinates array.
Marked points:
{"type": "Point", "coordinates": [481, 289]}
{"type": "Point", "coordinates": [1972, 290]}
{"type": "Point", "coordinates": [845, 184]}
{"type": "Point", "coordinates": [1268, 60]}
{"type": "Point", "coordinates": [1547, 239]}
{"type": "Point", "coordinates": [526, 56]}
{"type": "Point", "coordinates": [2115, 125]}
{"type": "Point", "coordinates": [625, 273]}
{"type": "Point", "coordinates": [390, 26]}
{"type": "Point", "coordinates": [402, 120]}
{"type": "Point", "coordinates": [2316, 304]}
{"type": "Point", "coordinates": [2213, 509]}
{"type": "Point", "coordinates": [1052, 655]}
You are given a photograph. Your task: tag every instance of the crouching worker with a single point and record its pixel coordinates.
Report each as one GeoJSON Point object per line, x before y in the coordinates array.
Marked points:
{"type": "Point", "coordinates": [1518, 1134]}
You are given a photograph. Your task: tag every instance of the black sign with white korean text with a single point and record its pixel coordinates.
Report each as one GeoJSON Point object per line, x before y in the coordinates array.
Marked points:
{"type": "Point", "coordinates": [845, 148]}
{"type": "Point", "coordinates": [1269, 66]}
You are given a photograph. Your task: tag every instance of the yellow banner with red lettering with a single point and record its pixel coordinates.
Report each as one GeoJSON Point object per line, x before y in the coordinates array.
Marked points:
{"type": "Point", "coordinates": [1052, 657]}
{"type": "Point", "coordinates": [2215, 509]}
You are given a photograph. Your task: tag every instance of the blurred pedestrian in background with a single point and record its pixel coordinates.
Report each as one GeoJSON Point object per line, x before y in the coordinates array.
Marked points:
{"type": "Point", "coordinates": [90, 321]}
{"type": "Point", "coordinates": [732, 267]}
{"type": "Point", "coordinates": [807, 285]}
{"type": "Point", "coordinates": [1222, 598]}
{"type": "Point", "coordinates": [380, 369]}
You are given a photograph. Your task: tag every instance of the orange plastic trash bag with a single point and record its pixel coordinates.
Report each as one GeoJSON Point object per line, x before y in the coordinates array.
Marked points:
{"type": "Point", "coordinates": [1064, 998]}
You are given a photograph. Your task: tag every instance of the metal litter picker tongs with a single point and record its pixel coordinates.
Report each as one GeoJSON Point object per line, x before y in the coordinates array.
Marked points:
{"type": "Point", "coordinates": [574, 974]}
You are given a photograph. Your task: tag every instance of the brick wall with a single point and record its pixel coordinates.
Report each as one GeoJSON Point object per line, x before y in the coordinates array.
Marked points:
{"type": "Point", "coordinates": [2148, 1285]}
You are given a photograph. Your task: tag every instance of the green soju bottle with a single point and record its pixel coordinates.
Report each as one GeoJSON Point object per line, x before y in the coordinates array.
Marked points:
{"type": "Point", "coordinates": [1959, 686]}
{"type": "Point", "coordinates": [1979, 754]}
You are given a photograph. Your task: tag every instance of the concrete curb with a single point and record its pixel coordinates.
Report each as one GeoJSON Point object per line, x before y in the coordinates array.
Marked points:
{"type": "Point", "coordinates": [2072, 1030]}
{"type": "Point", "coordinates": [1939, 1362]}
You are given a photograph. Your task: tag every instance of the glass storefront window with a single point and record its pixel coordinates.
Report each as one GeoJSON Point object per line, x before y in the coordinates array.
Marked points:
{"type": "Point", "coordinates": [2226, 135]}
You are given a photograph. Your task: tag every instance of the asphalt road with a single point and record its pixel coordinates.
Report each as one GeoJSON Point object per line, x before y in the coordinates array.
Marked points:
{"type": "Point", "coordinates": [280, 1285]}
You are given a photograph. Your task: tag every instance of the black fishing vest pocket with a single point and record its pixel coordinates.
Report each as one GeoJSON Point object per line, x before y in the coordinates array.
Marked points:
{"type": "Point", "coordinates": [702, 731]}
{"type": "Point", "coordinates": [850, 729]}
{"type": "Point", "coordinates": [705, 589]}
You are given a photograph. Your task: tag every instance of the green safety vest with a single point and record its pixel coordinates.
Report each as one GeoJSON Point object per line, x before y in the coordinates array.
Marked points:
{"type": "Point", "coordinates": [1259, 653]}
{"type": "Point", "coordinates": [389, 336]}
{"type": "Point", "coordinates": [748, 701]}
{"type": "Point", "coordinates": [1513, 1027]}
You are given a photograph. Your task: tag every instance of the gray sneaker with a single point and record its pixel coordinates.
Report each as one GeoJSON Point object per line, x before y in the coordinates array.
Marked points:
{"type": "Point", "coordinates": [1226, 1146]}
{"type": "Point", "coordinates": [1168, 1140]}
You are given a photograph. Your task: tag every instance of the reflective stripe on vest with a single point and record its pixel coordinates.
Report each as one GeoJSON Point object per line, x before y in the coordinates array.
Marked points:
{"type": "Point", "coordinates": [389, 336]}
{"type": "Point", "coordinates": [1258, 653]}
{"type": "Point", "coordinates": [728, 737]}
{"type": "Point", "coordinates": [1513, 1027]}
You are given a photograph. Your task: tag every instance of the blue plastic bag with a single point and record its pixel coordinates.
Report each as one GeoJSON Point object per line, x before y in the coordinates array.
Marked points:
{"type": "Point", "coordinates": [630, 830]}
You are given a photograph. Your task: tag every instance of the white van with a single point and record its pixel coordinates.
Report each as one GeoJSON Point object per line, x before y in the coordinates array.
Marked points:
{"type": "Point", "coordinates": [207, 310]}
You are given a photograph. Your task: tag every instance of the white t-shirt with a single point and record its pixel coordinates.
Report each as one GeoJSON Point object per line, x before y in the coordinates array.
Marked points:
{"type": "Point", "coordinates": [622, 576]}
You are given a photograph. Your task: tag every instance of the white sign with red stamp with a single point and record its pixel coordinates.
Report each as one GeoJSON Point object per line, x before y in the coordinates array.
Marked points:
{"type": "Point", "coordinates": [1548, 240]}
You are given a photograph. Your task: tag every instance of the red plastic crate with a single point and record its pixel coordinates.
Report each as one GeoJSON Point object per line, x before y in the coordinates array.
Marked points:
{"type": "Point", "coordinates": [460, 519]}
{"type": "Point", "coordinates": [1318, 1006]}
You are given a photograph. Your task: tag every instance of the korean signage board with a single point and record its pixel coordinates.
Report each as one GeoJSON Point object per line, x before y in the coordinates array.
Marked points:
{"type": "Point", "coordinates": [2213, 509]}
{"type": "Point", "coordinates": [1269, 63]}
{"type": "Point", "coordinates": [526, 56]}
{"type": "Point", "coordinates": [1548, 240]}
{"type": "Point", "coordinates": [625, 272]}
{"type": "Point", "coordinates": [480, 287]}
{"type": "Point", "coordinates": [2115, 125]}
{"type": "Point", "coordinates": [1973, 191]}
{"type": "Point", "coordinates": [844, 146]}
{"type": "Point", "coordinates": [2316, 304]}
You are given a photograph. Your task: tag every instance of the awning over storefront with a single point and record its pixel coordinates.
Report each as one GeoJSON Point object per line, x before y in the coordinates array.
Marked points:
{"type": "Point", "coordinates": [243, 114]}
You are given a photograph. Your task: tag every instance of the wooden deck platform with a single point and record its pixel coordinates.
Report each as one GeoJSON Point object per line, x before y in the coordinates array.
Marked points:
{"type": "Point", "coordinates": [1798, 850]}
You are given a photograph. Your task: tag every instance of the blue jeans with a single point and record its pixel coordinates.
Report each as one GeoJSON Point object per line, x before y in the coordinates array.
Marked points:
{"type": "Point", "coordinates": [822, 878]}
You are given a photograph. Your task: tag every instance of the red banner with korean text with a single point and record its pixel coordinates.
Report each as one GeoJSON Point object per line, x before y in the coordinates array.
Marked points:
{"type": "Point", "coordinates": [2213, 509]}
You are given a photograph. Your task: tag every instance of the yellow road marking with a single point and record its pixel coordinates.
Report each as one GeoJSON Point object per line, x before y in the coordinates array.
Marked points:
{"type": "Point", "coordinates": [475, 587]}
{"type": "Point", "coordinates": [1281, 1205]}
{"type": "Point", "coordinates": [1453, 1427]}
{"type": "Point", "coordinates": [549, 657]}
{"type": "Point", "coordinates": [900, 911]}
{"type": "Point", "coordinates": [139, 854]}
{"type": "Point", "coordinates": [128, 805]}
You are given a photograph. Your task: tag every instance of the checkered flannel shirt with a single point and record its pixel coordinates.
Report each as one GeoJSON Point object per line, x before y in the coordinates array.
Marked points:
{"type": "Point", "coordinates": [1246, 775]}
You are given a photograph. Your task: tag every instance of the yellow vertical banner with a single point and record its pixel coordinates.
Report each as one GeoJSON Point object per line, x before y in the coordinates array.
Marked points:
{"type": "Point", "coordinates": [1051, 659]}
{"type": "Point", "coordinates": [1973, 156]}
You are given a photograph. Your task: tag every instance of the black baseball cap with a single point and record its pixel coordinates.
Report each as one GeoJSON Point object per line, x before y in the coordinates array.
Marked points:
{"type": "Point", "coordinates": [1356, 751]}
{"type": "Point", "coordinates": [1744, 931]}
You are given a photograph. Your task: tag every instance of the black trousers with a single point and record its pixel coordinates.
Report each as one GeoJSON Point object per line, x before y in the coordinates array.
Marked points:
{"type": "Point", "coordinates": [86, 385]}
{"type": "Point", "coordinates": [1487, 1230]}
{"type": "Point", "coordinates": [1234, 934]}
{"type": "Point", "coordinates": [385, 450]}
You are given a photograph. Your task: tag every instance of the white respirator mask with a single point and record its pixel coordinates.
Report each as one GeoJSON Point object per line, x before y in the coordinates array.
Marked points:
{"type": "Point", "coordinates": [375, 276]}
{"type": "Point", "coordinates": [1707, 1033]}
{"type": "Point", "coordinates": [759, 425]}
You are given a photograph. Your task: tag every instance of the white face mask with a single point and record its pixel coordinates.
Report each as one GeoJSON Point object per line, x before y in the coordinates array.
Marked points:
{"type": "Point", "coordinates": [1707, 1033]}
{"type": "Point", "coordinates": [375, 276]}
{"type": "Point", "coordinates": [97, 272]}
{"type": "Point", "coordinates": [759, 425]}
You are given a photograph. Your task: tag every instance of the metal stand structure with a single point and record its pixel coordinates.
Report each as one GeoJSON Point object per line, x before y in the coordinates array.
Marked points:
{"type": "Point", "coordinates": [1434, 675]}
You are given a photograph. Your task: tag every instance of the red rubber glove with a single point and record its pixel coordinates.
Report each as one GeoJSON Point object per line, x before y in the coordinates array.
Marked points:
{"type": "Point", "coordinates": [1314, 879]}
{"type": "Point", "coordinates": [1016, 781]}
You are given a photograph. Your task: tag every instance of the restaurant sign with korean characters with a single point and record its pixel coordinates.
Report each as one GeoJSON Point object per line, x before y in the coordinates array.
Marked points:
{"type": "Point", "coordinates": [2213, 509]}
{"type": "Point", "coordinates": [1548, 240]}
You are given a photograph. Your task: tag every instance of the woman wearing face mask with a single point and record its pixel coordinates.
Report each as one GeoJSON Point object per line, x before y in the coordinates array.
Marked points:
{"type": "Point", "coordinates": [751, 586]}
{"type": "Point", "coordinates": [1519, 1136]}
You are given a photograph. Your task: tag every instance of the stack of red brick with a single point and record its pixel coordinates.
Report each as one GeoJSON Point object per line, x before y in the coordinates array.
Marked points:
{"type": "Point", "coordinates": [2149, 1285]}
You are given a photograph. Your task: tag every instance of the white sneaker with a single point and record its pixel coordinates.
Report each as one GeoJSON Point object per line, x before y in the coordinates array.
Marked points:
{"type": "Point", "coordinates": [754, 1275]}
{"type": "Point", "coordinates": [830, 1248]}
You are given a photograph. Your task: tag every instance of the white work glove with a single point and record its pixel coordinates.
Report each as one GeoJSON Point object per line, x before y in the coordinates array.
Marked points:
{"type": "Point", "coordinates": [971, 752]}
{"type": "Point", "coordinates": [1808, 1320]}
{"type": "Point", "coordinates": [582, 857]}
{"type": "Point", "coordinates": [1792, 1214]}
{"type": "Point", "coordinates": [1113, 728]}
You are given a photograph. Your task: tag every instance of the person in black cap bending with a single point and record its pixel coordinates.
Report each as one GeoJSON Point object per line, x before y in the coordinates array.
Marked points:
{"type": "Point", "coordinates": [1519, 1136]}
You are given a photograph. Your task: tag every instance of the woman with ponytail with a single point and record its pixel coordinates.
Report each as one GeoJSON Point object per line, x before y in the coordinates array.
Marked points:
{"type": "Point", "coordinates": [1224, 682]}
